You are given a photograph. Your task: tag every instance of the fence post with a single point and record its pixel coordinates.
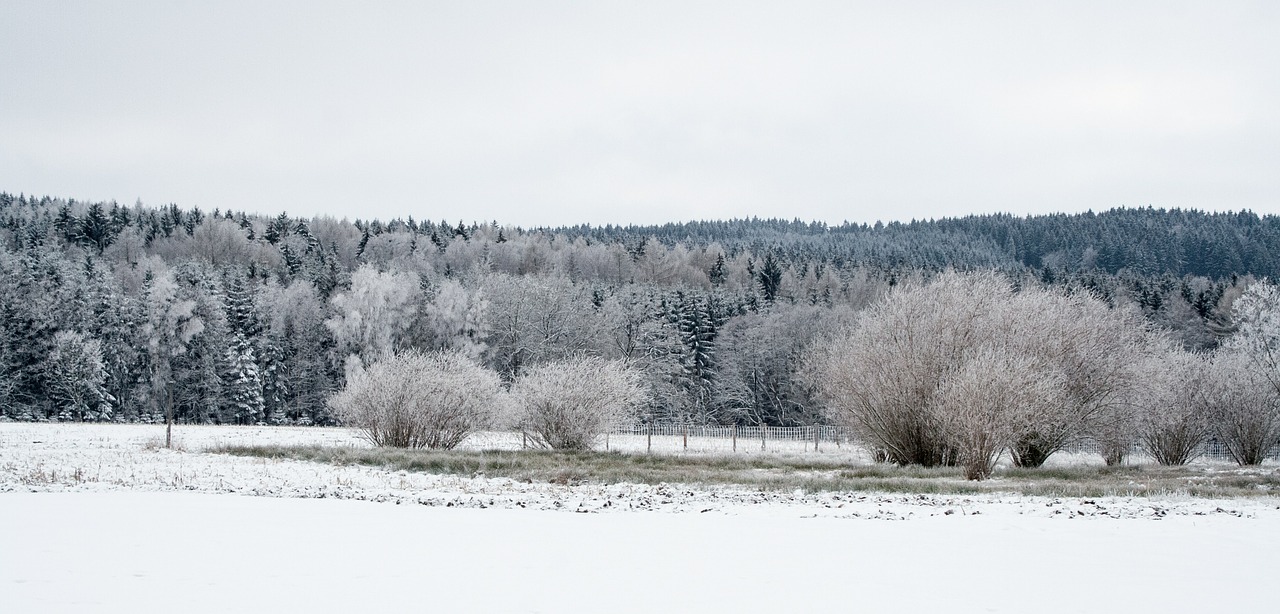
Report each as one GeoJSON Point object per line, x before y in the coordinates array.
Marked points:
{"type": "Point", "coordinates": [524, 440]}
{"type": "Point", "coordinates": [686, 437]}
{"type": "Point", "coordinates": [817, 433]}
{"type": "Point", "coordinates": [649, 446]}
{"type": "Point", "coordinates": [762, 434]}
{"type": "Point", "coordinates": [735, 438]}
{"type": "Point", "coordinates": [606, 441]}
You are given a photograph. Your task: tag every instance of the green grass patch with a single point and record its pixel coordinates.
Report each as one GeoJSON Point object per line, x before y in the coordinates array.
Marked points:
{"type": "Point", "coordinates": [778, 473]}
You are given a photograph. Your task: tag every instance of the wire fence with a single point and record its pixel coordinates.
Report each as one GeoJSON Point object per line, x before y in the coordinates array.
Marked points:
{"type": "Point", "coordinates": [706, 438]}
{"type": "Point", "coordinates": [1212, 449]}
{"type": "Point", "coordinates": [799, 439]}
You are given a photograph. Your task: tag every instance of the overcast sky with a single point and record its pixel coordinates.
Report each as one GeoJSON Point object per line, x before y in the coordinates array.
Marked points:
{"type": "Point", "coordinates": [548, 113]}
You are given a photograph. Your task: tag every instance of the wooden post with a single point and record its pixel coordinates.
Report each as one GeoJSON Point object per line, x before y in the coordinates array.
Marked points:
{"type": "Point", "coordinates": [524, 440]}
{"type": "Point", "coordinates": [816, 435]}
{"type": "Point", "coordinates": [168, 419]}
{"type": "Point", "coordinates": [606, 442]}
{"type": "Point", "coordinates": [686, 437]}
{"type": "Point", "coordinates": [762, 433]}
{"type": "Point", "coordinates": [649, 431]}
{"type": "Point", "coordinates": [735, 438]}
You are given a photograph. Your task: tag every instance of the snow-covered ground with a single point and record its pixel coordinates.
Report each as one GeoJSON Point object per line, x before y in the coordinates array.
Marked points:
{"type": "Point", "coordinates": [100, 518]}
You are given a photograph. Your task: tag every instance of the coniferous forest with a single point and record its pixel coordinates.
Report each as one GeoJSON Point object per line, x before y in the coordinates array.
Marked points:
{"type": "Point", "coordinates": [126, 312]}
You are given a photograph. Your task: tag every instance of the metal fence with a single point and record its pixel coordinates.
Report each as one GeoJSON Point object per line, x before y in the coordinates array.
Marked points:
{"type": "Point", "coordinates": [816, 438]}
{"type": "Point", "coordinates": [735, 438]}
{"type": "Point", "coordinates": [1212, 449]}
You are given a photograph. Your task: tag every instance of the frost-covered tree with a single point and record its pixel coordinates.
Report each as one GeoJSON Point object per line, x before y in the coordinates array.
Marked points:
{"type": "Point", "coordinates": [991, 402]}
{"type": "Point", "coordinates": [1245, 407]}
{"type": "Point", "coordinates": [534, 320]}
{"type": "Point", "coordinates": [298, 375]}
{"type": "Point", "coordinates": [1257, 317]}
{"type": "Point", "coordinates": [8, 370]}
{"type": "Point", "coordinates": [696, 326]}
{"type": "Point", "coordinates": [171, 324]}
{"type": "Point", "coordinates": [887, 375]}
{"type": "Point", "coordinates": [882, 376]}
{"type": "Point", "coordinates": [569, 405]}
{"type": "Point", "coordinates": [373, 318]}
{"type": "Point", "coordinates": [1176, 405]}
{"type": "Point", "coordinates": [455, 318]}
{"type": "Point", "coordinates": [419, 400]}
{"type": "Point", "coordinates": [76, 377]}
{"type": "Point", "coordinates": [633, 330]}
{"type": "Point", "coordinates": [200, 371]}
{"type": "Point", "coordinates": [242, 386]}
{"type": "Point", "coordinates": [761, 377]}
{"type": "Point", "coordinates": [1091, 348]}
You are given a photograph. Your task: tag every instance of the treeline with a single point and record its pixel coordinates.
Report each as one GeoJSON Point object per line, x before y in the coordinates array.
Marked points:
{"type": "Point", "coordinates": [116, 312]}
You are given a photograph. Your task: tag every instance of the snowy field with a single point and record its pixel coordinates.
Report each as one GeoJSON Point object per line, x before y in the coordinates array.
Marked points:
{"type": "Point", "coordinates": [99, 518]}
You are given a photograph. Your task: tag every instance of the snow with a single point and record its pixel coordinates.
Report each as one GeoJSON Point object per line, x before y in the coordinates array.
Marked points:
{"type": "Point", "coordinates": [97, 518]}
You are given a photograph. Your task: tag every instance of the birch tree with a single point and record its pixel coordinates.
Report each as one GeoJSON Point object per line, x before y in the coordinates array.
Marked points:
{"type": "Point", "coordinates": [171, 324]}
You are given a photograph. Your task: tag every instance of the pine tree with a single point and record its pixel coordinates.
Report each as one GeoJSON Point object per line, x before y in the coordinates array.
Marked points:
{"type": "Point", "coordinates": [76, 377]}
{"type": "Point", "coordinates": [770, 278]}
{"type": "Point", "coordinates": [243, 383]}
{"type": "Point", "coordinates": [717, 273]}
{"type": "Point", "coordinates": [696, 330]}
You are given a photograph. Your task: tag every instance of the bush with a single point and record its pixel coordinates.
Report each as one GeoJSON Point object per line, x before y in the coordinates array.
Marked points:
{"type": "Point", "coordinates": [940, 373]}
{"type": "Point", "coordinates": [416, 400]}
{"type": "Point", "coordinates": [882, 376]}
{"type": "Point", "coordinates": [988, 404]}
{"type": "Point", "coordinates": [569, 405]}
{"type": "Point", "coordinates": [1175, 407]}
{"type": "Point", "coordinates": [1246, 408]}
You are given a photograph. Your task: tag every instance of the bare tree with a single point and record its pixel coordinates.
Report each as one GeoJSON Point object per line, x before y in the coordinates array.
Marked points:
{"type": "Point", "coordinates": [1246, 407]}
{"type": "Point", "coordinates": [1091, 348]}
{"type": "Point", "coordinates": [1175, 406]}
{"type": "Point", "coordinates": [569, 405]}
{"type": "Point", "coordinates": [1116, 432]}
{"type": "Point", "coordinates": [373, 317]}
{"type": "Point", "coordinates": [419, 400]}
{"type": "Point", "coordinates": [1247, 419]}
{"type": "Point", "coordinates": [888, 376]}
{"type": "Point", "coordinates": [454, 318]}
{"type": "Point", "coordinates": [989, 403]}
{"type": "Point", "coordinates": [882, 376]}
{"type": "Point", "coordinates": [760, 379]}
{"type": "Point", "coordinates": [535, 319]}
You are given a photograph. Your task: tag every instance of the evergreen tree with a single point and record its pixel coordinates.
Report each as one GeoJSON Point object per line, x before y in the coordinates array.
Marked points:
{"type": "Point", "coordinates": [770, 278]}
{"type": "Point", "coordinates": [243, 383]}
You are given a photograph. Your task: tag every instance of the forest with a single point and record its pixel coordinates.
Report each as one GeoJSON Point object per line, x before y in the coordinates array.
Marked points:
{"type": "Point", "coordinates": [113, 312]}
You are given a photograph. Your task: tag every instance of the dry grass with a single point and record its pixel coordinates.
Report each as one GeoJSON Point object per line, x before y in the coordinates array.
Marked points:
{"type": "Point", "coordinates": [771, 473]}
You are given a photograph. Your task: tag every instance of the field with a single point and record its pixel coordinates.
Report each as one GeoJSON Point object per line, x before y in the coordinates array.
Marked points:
{"type": "Point", "coordinates": [102, 518]}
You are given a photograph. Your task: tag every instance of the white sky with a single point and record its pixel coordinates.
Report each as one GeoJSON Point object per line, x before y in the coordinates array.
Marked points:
{"type": "Point", "coordinates": [549, 113]}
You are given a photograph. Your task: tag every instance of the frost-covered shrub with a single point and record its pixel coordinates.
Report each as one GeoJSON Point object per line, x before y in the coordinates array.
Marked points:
{"type": "Point", "coordinates": [967, 367]}
{"type": "Point", "coordinates": [988, 404]}
{"type": "Point", "coordinates": [419, 400]}
{"type": "Point", "coordinates": [1092, 350]}
{"type": "Point", "coordinates": [882, 376]}
{"type": "Point", "coordinates": [569, 405]}
{"type": "Point", "coordinates": [1247, 371]}
{"type": "Point", "coordinates": [1245, 407]}
{"type": "Point", "coordinates": [1175, 407]}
